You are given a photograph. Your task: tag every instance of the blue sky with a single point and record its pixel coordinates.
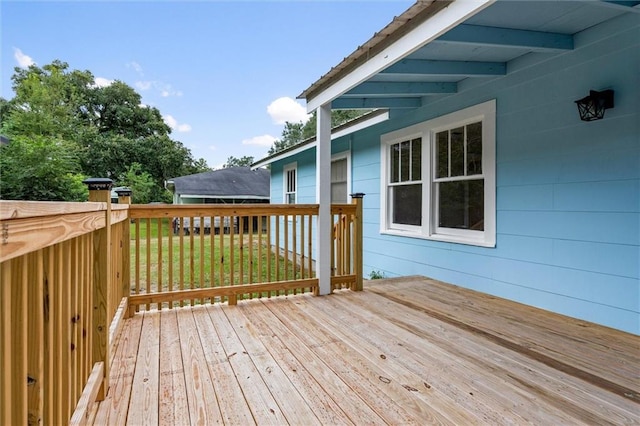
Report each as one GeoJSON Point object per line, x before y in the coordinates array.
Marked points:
{"type": "Point", "coordinates": [224, 74]}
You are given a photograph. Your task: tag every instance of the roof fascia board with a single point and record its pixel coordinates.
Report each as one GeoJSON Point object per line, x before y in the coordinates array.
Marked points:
{"type": "Point", "coordinates": [285, 154]}
{"type": "Point", "coordinates": [427, 31]}
{"type": "Point", "coordinates": [505, 37]}
{"type": "Point", "coordinates": [338, 133]}
{"type": "Point", "coordinates": [361, 125]}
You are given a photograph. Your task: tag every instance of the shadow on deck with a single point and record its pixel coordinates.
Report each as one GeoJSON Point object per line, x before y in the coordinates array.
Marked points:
{"type": "Point", "coordinates": [404, 351]}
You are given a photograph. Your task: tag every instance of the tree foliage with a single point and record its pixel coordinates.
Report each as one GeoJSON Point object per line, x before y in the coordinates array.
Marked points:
{"type": "Point", "coordinates": [244, 161]}
{"type": "Point", "coordinates": [40, 168]}
{"type": "Point", "coordinates": [200, 166]}
{"type": "Point", "coordinates": [294, 133]}
{"type": "Point", "coordinates": [63, 126]}
{"type": "Point", "coordinates": [141, 184]}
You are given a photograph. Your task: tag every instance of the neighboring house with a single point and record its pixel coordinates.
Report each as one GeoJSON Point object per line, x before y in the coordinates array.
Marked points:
{"type": "Point", "coordinates": [483, 175]}
{"type": "Point", "coordinates": [233, 185]}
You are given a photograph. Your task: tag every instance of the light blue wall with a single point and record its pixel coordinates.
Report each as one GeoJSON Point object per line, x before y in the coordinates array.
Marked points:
{"type": "Point", "coordinates": [568, 192]}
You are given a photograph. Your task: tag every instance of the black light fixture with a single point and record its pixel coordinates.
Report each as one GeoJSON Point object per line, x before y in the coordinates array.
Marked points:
{"type": "Point", "coordinates": [592, 107]}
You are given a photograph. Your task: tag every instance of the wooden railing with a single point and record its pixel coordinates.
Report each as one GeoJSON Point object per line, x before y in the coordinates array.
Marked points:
{"type": "Point", "coordinates": [192, 254]}
{"type": "Point", "coordinates": [71, 272]}
{"type": "Point", "coordinates": [56, 305]}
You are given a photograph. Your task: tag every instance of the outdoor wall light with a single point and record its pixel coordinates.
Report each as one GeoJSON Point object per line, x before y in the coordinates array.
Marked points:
{"type": "Point", "coordinates": [592, 107]}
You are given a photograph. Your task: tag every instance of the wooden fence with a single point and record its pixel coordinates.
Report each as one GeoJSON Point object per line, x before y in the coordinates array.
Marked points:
{"type": "Point", "coordinates": [71, 272]}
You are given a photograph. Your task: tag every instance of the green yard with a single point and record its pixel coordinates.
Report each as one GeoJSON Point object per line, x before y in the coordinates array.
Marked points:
{"type": "Point", "coordinates": [202, 260]}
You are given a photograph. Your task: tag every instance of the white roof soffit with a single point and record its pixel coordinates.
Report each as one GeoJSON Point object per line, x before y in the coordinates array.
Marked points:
{"type": "Point", "coordinates": [439, 17]}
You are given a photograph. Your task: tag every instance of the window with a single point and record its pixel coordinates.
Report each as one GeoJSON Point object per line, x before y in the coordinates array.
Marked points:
{"type": "Point", "coordinates": [458, 181]}
{"type": "Point", "coordinates": [438, 178]}
{"type": "Point", "coordinates": [340, 178]}
{"type": "Point", "coordinates": [405, 184]}
{"type": "Point", "coordinates": [290, 183]}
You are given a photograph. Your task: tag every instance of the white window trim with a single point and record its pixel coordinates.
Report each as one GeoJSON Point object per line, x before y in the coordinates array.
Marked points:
{"type": "Point", "coordinates": [340, 156]}
{"type": "Point", "coordinates": [486, 112]}
{"type": "Point", "coordinates": [285, 169]}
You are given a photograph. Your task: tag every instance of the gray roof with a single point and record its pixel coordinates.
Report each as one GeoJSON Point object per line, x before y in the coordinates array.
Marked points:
{"type": "Point", "coordinates": [232, 182]}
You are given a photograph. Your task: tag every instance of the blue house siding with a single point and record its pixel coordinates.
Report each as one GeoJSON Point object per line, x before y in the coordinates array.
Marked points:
{"type": "Point", "coordinates": [568, 192]}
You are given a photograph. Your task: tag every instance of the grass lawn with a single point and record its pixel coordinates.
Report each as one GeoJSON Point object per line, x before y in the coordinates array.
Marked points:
{"type": "Point", "coordinates": [202, 261]}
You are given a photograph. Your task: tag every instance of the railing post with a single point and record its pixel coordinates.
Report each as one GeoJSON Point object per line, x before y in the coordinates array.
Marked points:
{"type": "Point", "coordinates": [357, 241]}
{"type": "Point", "coordinates": [100, 191]}
{"type": "Point", "coordinates": [124, 197]}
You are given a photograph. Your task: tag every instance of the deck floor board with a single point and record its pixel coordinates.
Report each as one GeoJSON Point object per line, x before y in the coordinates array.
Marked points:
{"type": "Point", "coordinates": [403, 351]}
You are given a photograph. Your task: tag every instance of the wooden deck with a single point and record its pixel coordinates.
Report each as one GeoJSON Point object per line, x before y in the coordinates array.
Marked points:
{"type": "Point", "coordinates": [403, 351]}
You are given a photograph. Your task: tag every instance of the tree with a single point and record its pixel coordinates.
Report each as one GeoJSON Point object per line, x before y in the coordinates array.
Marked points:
{"type": "Point", "coordinates": [294, 133]}
{"type": "Point", "coordinates": [47, 101]}
{"type": "Point", "coordinates": [200, 166]}
{"type": "Point", "coordinates": [96, 131]}
{"type": "Point", "coordinates": [117, 109]}
{"type": "Point", "coordinates": [141, 184]}
{"type": "Point", "coordinates": [291, 135]}
{"type": "Point", "coordinates": [5, 108]}
{"type": "Point", "coordinates": [232, 161]}
{"type": "Point", "coordinates": [40, 168]}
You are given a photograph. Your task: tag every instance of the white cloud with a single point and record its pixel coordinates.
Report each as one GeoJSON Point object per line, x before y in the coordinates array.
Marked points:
{"type": "Point", "coordinates": [264, 140]}
{"type": "Point", "coordinates": [143, 85]}
{"type": "Point", "coordinates": [136, 66]}
{"type": "Point", "coordinates": [213, 147]}
{"type": "Point", "coordinates": [166, 90]}
{"type": "Point", "coordinates": [170, 121]}
{"type": "Point", "coordinates": [102, 82]}
{"type": "Point", "coordinates": [23, 60]}
{"type": "Point", "coordinates": [287, 109]}
{"type": "Point", "coordinates": [173, 123]}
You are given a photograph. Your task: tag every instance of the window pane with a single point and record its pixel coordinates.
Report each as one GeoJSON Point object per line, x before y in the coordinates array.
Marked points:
{"type": "Point", "coordinates": [461, 204]}
{"type": "Point", "coordinates": [474, 149]}
{"type": "Point", "coordinates": [407, 204]}
{"type": "Point", "coordinates": [339, 192]}
{"type": "Point", "coordinates": [442, 154]}
{"type": "Point", "coordinates": [416, 159]}
{"type": "Point", "coordinates": [339, 170]}
{"type": "Point", "coordinates": [291, 198]}
{"type": "Point", "coordinates": [457, 151]}
{"type": "Point", "coordinates": [404, 161]}
{"type": "Point", "coordinates": [395, 162]}
{"type": "Point", "coordinates": [291, 180]}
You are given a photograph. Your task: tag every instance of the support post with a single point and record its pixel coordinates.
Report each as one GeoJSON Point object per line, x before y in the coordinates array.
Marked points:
{"type": "Point", "coordinates": [357, 241]}
{"type": "Point", "coordinates": [323, 198]}
{"type": "Point", "coordinates": [100, 191]}
{"type": "Point", "coordinates": [124, 197]}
